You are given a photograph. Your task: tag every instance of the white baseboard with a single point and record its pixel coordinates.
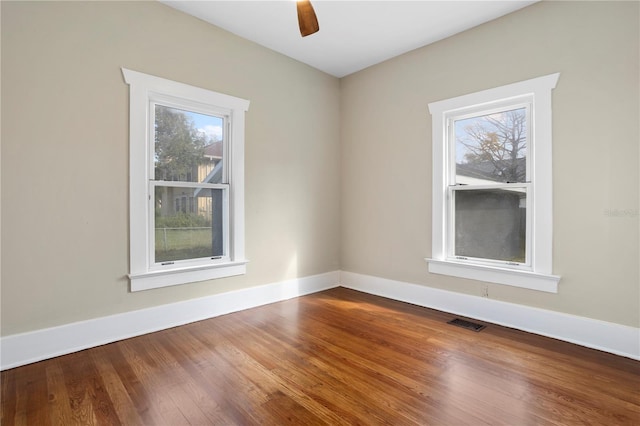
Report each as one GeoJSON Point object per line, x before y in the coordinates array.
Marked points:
{"type": "Point", "coordinates": [25, 348]}
{"type": "Point", "coordinates": [605, 336]}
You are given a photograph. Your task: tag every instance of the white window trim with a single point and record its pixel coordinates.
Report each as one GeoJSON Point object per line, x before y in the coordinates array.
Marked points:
{"type": "Point", "coordinates": [143, 88]}
{"type": "Point", "coordinates": [540, 276]}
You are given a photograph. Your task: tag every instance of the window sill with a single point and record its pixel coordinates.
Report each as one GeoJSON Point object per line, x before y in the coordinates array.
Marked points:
{"type": "Point", "coordinates": [516, 278]}
{"type": "Point", "coordinates": [158, 279]}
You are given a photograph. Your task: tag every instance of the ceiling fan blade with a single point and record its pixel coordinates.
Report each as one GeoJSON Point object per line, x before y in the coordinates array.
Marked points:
{"type": "Point", "coordinates": [307, 18]}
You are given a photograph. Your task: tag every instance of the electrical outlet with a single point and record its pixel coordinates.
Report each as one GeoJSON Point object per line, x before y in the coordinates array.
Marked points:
{"type": "Point", "coordinates": [485, 291]}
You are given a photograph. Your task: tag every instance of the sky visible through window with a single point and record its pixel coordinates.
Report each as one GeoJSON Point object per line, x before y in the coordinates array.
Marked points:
{"type": "Point", "coordinates": [210, 125]}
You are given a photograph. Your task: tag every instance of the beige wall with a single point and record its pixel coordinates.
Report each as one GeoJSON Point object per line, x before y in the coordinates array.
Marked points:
{"type": "Point", "coordinates": [386, 151]}
{"type": "Point", "coordinates": [65, 155]}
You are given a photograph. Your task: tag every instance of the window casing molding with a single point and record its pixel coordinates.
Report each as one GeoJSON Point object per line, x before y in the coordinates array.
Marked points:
{"type": "Point", "coordinates": [536, 272]}
{"type": "Point", "coordinates": [145, 91]}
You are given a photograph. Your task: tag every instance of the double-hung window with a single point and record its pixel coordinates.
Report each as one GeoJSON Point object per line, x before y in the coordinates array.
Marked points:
{"type": "Point", "coordinates": [186, 183]}
{"type": "Point", "coordinates": [492, 212]}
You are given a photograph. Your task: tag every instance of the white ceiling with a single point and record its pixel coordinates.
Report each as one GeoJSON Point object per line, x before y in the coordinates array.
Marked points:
{"type": "Point", "coordinates": [353, 34]}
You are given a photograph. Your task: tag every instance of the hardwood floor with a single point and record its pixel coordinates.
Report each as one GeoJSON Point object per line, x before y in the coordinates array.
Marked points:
{"type": "Point", "coordinates": [335, 357]}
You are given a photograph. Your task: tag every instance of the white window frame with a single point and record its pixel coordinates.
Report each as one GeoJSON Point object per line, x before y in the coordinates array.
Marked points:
{"type": "Point", "coordinates": [536, 272]}
{"type": "Point", "coordinates": [145, 91]}
{"type": "Point", "coordinates": [453, 186]}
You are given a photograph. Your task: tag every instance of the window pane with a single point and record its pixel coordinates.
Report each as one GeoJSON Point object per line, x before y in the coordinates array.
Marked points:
{"type": "Point", "coordinates": [492, 148]}
{"type": "Point", "coordinates": [188, 223]}
{"type": "Point", "coordinates": [491, 224]}
{"type": "Point", "coordinates": [188, 146]}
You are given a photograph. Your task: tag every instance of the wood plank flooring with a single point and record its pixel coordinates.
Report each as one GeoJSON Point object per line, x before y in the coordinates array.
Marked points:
{"type": "Point", "coordinates": [338, 357]}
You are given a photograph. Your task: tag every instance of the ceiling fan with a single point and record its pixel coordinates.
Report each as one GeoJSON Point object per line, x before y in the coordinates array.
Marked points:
{"type": "Point", "coordinates": [307, 20]}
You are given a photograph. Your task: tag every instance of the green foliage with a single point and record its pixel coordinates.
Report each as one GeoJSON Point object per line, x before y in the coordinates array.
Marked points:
{"type": "Point", "coordinates": [182, 220]}
{"type": "Point", "coordinates": [179, 147]}
{"type": "Point", "coordinates": [182, 243]}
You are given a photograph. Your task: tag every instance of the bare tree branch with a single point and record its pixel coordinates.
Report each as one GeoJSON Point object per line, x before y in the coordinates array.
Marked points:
{"type": "Point", "coordinates": [499, 140]}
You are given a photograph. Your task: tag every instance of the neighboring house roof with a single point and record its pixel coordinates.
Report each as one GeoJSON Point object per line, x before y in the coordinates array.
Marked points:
{"type": "Point", "coordinates": [489, 170]}
{"type": "Point", "coordinates": [213, 150]}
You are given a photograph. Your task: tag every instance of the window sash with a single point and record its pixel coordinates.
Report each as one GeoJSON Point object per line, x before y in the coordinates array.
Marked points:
{"type": "Point", "coordinates": [500, 106]}
{"type": "Point", "coordinates": [209, 260]}
{"type": "Point", "coordinates": [451, 252]}
{"type": "Point", "coordinates": [190, 106]}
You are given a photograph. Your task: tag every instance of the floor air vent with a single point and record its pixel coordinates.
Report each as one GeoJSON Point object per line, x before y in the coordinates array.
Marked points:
{"type": "Point", "coordinates": [467, 324]}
